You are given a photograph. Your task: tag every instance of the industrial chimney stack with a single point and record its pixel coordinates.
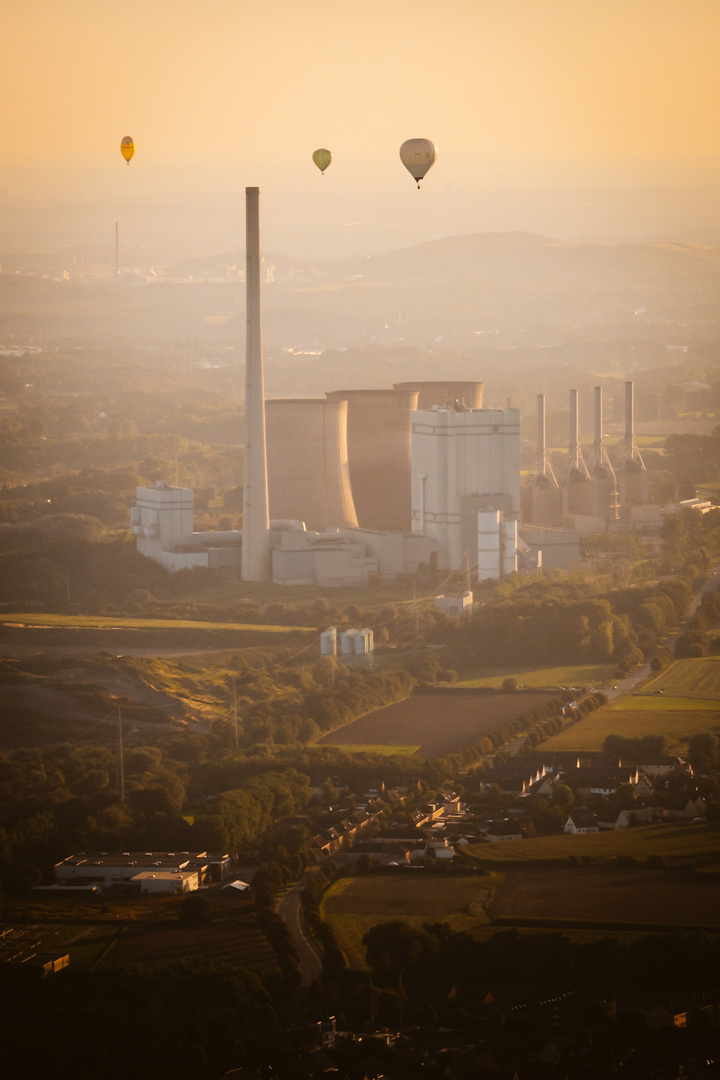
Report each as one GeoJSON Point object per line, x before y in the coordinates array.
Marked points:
{"type": "Point", "coordinates": [545, 495]}
{"type": "Point", "coordinates": [605, 501]}
{"type": "Point", "coordinates": [256, 559]}
{"type": "Point", "coordinates": [633, 474]}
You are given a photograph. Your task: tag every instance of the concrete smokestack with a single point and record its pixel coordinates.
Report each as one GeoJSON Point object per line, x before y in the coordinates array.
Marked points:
{"type": "Point", "coordinates": [545, 495]}
{"type": "Point", "coordinates": [633, 475]}
{"type": "Point", "coordinates": [577, 469]}
{"type": "Point", "coordinates": [605, 501]}
{"type": "Point", "coordinates": [544, 475]}
{"type": "Point", "coordinates": [256, 562]}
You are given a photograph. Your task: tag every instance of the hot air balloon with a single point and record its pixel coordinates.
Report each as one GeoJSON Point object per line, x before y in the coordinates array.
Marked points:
{"type": "Point", "coordinates": [322, 159]}
{"type": "Point", "coordinates": [127, 148]}
{"type": "Point", "coordinates": [418, 155]}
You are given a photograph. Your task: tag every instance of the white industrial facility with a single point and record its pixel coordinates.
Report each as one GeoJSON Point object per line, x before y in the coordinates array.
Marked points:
{"type": "Point", "coordinates": [377, 483]}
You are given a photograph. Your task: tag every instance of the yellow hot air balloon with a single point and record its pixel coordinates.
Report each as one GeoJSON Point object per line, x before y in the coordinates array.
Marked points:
{"type": "Point", "coordinates": [127, 148]}
{"type": "Point", "coordinates": [322, 159]}
{"type": "Point", "coordinates": [418, 155]}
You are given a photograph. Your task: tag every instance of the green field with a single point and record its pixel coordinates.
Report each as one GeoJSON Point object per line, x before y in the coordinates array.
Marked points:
{"type": "Point", "coordinates": [677, 843]}
{"type": "Point", "coordinates": [664, 703]}
{"type": "Point", "coordinates": [352, 905]}
{"type": "Point", "coordinates": [595, 675]}
{"type": "Point", "coordinates": [380, 748]}
{"type": "Point", "coordinates": [106, 622]}
{"type": "Point", "coordinates": [689, 704]}
{"type": "Point", "coordinates": [695, 678]}
{"type": "Point", "coordinates": [675, 725]}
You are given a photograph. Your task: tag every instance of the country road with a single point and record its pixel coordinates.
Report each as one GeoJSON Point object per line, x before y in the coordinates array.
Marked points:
{"type": "Point", "coordinates": [624, 686]}
{"type": "Point", "coordinates": [309, 953]}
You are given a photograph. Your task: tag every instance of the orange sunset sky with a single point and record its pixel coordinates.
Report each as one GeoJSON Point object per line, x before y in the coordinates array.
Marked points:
{"type": "Point", "coordinates": [571, 88]}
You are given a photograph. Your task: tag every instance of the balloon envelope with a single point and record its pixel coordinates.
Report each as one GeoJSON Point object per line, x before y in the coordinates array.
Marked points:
{"type": "Point", "coordinates": [322, 159]}
{"type": "Point", "coordinates": [418, 155]}
{"type": "Point", "coordinates": [127, 148]}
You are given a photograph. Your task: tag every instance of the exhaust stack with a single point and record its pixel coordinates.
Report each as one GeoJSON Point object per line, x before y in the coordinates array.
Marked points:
{"type": "Point", "coordinates": [577, 471]}
{"type": "Point", "coordinates": [544, 475]}
{"type": "Point", "coordinates": [255, 564]}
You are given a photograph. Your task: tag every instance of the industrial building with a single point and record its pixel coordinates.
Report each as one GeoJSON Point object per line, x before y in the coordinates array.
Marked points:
{"type": "Point", "coordinates": [367, 483]}
{"type": "Point", "coordinates": [466, 462]}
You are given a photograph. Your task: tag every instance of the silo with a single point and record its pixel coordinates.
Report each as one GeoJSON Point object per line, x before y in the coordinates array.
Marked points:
{"type": "Point", "coordinates": [445, 392]}
{"type": "Point", "coordinates": [308, 477]}
{"type": "Point", "coordinates": [328, 642]}
{"type": "Point", "coordinates": [378, 442]}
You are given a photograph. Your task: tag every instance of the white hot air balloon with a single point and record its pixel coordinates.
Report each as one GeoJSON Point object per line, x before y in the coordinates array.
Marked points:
{"type": "Point", "coordinates": [418, 155]}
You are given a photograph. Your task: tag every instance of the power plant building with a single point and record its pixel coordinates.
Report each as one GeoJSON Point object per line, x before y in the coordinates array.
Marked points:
{"type": "Point", "coordinates": [162, 522]}
{"type": "Point", "coordinates": [463, 462]}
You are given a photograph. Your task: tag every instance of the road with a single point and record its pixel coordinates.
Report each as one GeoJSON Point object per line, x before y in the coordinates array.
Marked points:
{"type": "Point", "coordinates": [624, 686]}
{"type": "Point", "coordinates": [309, 953]}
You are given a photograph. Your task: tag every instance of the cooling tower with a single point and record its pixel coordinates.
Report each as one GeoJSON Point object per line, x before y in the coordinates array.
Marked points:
{"type": "Point", "coordinates": [378, 442]}
{"type": "Point", "coordinates": [444, 392]}
{"type": "Point", "coordinates": [308, 477]}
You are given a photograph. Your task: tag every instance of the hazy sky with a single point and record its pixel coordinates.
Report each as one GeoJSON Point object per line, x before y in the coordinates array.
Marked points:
{"type": "Point", "coordinates": [502, 86]}
{"type": "Point", "coordinates": [219, 94]}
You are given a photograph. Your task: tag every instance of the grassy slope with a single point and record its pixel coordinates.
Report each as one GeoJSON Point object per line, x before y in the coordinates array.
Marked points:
{"type": "Point", "coordinates": [688, 705]}
{"type": "Point", "coordinates": [103, 622]}
{"type": "Point", "coordinates": [591, 675]}
{"type": "Point", "coordinates": [353, 905]}
{"type": "Point", "coordinates": [677, 843]}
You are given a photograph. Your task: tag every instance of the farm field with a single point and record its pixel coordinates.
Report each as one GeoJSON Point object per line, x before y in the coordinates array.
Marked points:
{"type": "Point", "coordinates": [590, 675]}
{"type": "Point", "coordinates": [676, 725]}
{"type": "Point", "coordinates": [438, 724]}
{"type": "Point", "coordinates": [677, 843]}
{"type": "Point", "coordinates": [695, 678]}
{"type": "Point", "coordinates": [608, 895]}
{"type": "Point", "coordinates": [352, 905]}
{"type": "Point", "coordinates": [158, 944]}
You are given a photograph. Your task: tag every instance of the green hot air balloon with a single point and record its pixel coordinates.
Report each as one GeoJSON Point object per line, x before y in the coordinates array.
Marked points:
{"type": "Point", "coordinates": [322, 159]}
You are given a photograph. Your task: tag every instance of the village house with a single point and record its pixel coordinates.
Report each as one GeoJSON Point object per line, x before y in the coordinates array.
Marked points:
{"type": "Point", "coordinates": [581, 821]}
{"type": "Point", "coordinates": [600, 780]}
{"type": "Point", "coordinates": [506, 829]}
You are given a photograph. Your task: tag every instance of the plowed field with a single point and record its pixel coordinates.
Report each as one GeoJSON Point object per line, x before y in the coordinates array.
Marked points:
{"type": "Point", "coordinates": [439, 723]}
{"type": "Point", "coordinates": [674, 897]}
{"type": "Point", "coordinates": [154, 945]}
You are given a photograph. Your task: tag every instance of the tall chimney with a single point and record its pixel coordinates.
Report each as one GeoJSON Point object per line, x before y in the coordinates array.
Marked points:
{"type": "Point", "coordinates": [601, 470]}
{"type": "Point", "coordinates": [255, 565]}
{"type": "Point", "coordinates": [633, 461]}
{"type": "Point", "coordinates": [577, 469]}
{"type": "Point", "coordinates": [544, 475]}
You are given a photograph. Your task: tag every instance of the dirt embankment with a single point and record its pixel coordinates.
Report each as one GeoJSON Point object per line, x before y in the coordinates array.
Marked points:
{"type": "Point", "coordinates": [120, 638]}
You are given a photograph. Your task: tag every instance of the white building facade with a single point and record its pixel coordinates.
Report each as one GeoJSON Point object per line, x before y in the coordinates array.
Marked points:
{"type": "Point", "coordinates": [467, 462]}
